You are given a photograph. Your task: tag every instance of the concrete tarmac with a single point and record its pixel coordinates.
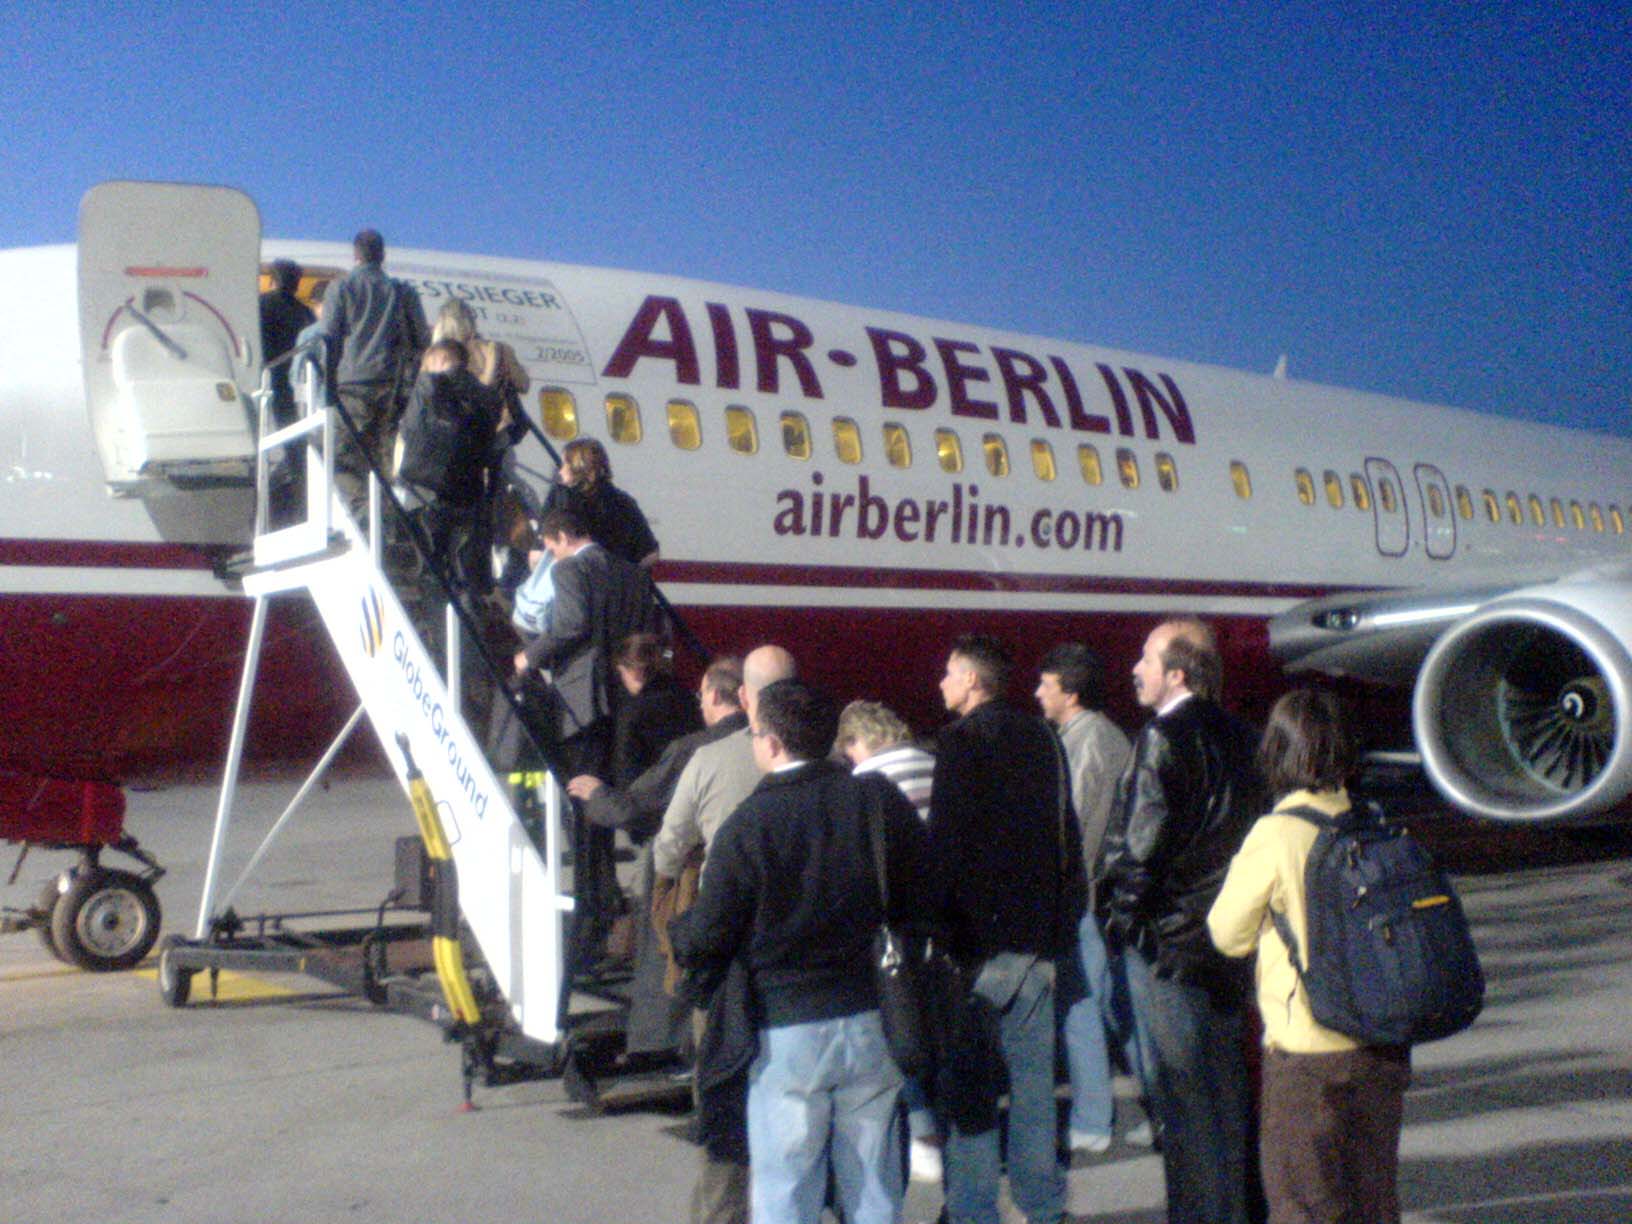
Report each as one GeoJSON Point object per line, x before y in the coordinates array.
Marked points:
{"type": "Point", "coordinates": [286, 1102]}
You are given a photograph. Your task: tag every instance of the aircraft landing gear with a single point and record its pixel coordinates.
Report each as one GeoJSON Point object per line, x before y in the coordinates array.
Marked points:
{"type": "Point", "coordinates": [103, 919]}
{"type": "Point", "coordinates": [95, 917]}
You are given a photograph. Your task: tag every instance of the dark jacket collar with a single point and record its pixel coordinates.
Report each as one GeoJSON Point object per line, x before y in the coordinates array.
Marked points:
{"type": "Point", "coordinates": [802, 772]}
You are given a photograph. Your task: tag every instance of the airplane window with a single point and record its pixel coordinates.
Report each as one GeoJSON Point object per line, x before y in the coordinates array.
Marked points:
{"type": "Point", "coordinates": [897, 446]}
{"type": "Point", "coordinates": [846, 440]}
{"type": "Point", "coordinates": [1616, 521]}
{"type": "Point", "coordinates": [1306, 486]}
{"type": "Point", "coordinates": [559, 412]}
{"type": "Point", "coordinates": [1493, 508]}
{"type": "Point", "coordinates": [1361, 489]}
{"type": "Point", "coordinates": [741, 434]}
{"type": "Point", "coordinates": [1334, 489]}
{"type": "Point", "coordinates": [1088, 461]}
{"type": "Point", "coordinates": [685, 430]}
{"type": "Point", "coordinates": [1597, 517]}
{"type": "Point", "coordinates": [1577, 519]}
{"type": "Point", "coordinates": [1464, 502]}
{"type": "Point", "coordinates": [1042, 459]}
{"type": "Point", "coordinates": [1385, 495]}
{"type": "Point", "coordinates": [1538, 513]}
{"type": "Point", "coordinates": [1241, 479]}
{"type": "Point", "coordinates": [1515, 512]}
{"type": "Point", "coordinates": [997, 455]}
{"type": "Point", "coordinates": [948, 450]}
{"type": "Point", "coordinates": [796, 435]}
{"type": "Point", "coordinates": [1436, 502]}
{"type": "Point", "coordinates": [1558, 513]}
{"type": "Point", "coordinates": [1127, 468]}
{"type": "Point", "coordinates": [1167, 472]}
{"type": "Point", "coordinates": [623, 418]}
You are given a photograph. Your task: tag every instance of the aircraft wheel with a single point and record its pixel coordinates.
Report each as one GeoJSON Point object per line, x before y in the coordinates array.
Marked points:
{"type": "Point", "coordinates": [106, 920]}
{"type": "Point", "coordinates": [175, 983]}
{"type": "Point", "coordinates": [46, 904]}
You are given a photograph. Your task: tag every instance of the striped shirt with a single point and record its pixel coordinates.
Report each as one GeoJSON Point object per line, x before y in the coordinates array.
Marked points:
{"type": "Point", "coordinates": [911, 769]}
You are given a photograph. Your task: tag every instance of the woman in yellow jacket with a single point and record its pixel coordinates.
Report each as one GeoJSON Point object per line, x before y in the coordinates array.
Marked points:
{"type": "Point", "coordinates": [1331, 1108]}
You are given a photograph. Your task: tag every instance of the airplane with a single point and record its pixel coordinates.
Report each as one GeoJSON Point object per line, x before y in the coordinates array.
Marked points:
{"type": "Point", "coordinates": [857, 484]}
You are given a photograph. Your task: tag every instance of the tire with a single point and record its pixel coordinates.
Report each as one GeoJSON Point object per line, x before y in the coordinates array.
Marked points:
{"type": "Point", "coordinates": [46, 905]}
{"type": "Point", "coordinates": [106, 920]}
{"type": "Point", "coordinates": [175, 983]}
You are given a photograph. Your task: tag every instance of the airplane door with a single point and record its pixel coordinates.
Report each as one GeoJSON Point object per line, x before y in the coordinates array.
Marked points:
{"type": "Point", "coordinates": [1438, 517]}
{"type": "Point", "coordinates": [169, 330]}
{"type": "Point", "coordinates": [1389, 508]}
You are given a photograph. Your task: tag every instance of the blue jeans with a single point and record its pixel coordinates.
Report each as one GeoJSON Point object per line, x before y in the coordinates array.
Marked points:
{"type": "Point", "coordinates": [818, 1094]}
{"type": "Point", "coordinates": [1199, 1093]}
{"type": "Point", "coordinates": [1104, 1012]}
{"type": "Point", "coordinates": [973, 1164]}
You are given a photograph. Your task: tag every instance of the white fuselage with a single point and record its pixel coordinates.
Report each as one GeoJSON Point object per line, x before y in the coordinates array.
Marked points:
{"type": "Point", "coordinates": [795, 460]}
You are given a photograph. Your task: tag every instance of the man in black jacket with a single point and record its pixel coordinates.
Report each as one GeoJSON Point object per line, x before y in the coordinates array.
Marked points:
{"type": "Point", "coordinates": [790, 887]}
{"type": "Point", "coordinates": [659, 1021]}
{"type": "Point", "coordinates": [283, 317]}
{"type": "Point", "coordinates": [1011, 890]}
{"type": "Point", "coordinates": [1183, 806]}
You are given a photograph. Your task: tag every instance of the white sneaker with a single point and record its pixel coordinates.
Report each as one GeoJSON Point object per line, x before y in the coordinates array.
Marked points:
{"type": "Point", "coordinates": [1089, 1141]}
{"type": "Point", "coordinates": [1141, 1135]}
{"type": "Point", "coordinates": [924, 1161]}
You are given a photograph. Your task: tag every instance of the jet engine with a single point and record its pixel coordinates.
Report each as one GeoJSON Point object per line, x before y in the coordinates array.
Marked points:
{"type": "Point", "coordinates": [1522, 708]}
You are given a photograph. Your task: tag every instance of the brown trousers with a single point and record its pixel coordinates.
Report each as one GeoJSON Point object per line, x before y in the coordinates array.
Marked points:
{"type": "Point", "coordinates": [1330, 1135]}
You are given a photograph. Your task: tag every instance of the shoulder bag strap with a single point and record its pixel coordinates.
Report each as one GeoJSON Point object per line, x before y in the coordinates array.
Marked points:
{"type": "Point", "coordinates": [875, 834]}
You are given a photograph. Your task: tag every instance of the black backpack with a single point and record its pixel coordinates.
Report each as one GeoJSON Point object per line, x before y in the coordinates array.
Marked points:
{"type": "Point", "coordinates": [444, 442]}
{"type": "Point", "coordinates": [1391, 960]}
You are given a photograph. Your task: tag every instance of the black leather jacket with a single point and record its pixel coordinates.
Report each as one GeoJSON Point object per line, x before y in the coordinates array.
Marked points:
{"type": "Point", "coordinates": [1183, 806]}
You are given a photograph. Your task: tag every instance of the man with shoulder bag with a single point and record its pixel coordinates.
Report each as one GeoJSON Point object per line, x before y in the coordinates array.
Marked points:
{"type": "Point", "coordinates": [791, 889]}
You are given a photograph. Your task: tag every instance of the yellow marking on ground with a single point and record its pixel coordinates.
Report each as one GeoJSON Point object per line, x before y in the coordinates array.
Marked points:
{"type": "Point", "coordinates": [34, 975]}
{"type": "Point", "coordinates": [230, 987]}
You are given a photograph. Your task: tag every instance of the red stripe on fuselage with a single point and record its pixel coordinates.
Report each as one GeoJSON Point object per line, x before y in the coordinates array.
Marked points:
{"type": "Point", "coordinates": [748, 574]}
{"type": "Point", "coordinates": [106, 554]}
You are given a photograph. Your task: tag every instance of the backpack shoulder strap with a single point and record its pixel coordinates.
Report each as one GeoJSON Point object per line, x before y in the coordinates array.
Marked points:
{"type": "Point", "coordinates": [1312, 814]}
{"type": "Point", "coordinates": [1328, 826]}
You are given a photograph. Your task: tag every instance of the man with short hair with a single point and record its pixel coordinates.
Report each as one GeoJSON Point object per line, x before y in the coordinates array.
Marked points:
{"type": "Point", "coordinates": [791, 887]}
{"type": "Point", "coordinates": [638, 808]}
{"type": "Point", "coordinates": [718, 777]}
{"type": "Point", "coordinates": [1183, 806]}
{"type": "Point", "coordinates": [599, 600]}
{"type": "Point", "coordinates": [376, 330]}
{"type": "Point", "coordinates": [1007, 853]}
{"type": "Point", "coordinates": [658, 1021]}
{"type": "Point", "coordinates": [1071, 692]}
{"type": "Point", "coordinates": [283, 317]}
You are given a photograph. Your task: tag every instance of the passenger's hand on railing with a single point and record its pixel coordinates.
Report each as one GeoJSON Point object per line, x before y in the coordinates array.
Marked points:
{"type": "Point", "coordinates": [521, 662]}
{"type": "Point", "coordinates": [585, 786]}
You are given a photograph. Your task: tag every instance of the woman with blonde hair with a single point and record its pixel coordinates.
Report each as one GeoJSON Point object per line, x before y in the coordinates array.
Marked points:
{"type": "Point", "coordinates": [493, 363]}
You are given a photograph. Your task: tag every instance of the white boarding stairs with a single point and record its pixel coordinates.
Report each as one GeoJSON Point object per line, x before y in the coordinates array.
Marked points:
{"type": "Point", "coordinates": [511, 897]}
{"type": "Point", "coordinates": [169, 337]}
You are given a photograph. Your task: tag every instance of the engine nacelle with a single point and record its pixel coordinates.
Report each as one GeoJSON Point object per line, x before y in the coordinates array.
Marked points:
{"type": "Point", "coordinates": [1521, 708]}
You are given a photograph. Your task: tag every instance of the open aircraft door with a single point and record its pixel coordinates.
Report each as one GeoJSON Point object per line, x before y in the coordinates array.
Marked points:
{"type": "Point", "coordinates": [169, 326]}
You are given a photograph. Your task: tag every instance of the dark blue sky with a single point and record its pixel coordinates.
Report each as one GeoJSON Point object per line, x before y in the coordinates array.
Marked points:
{"type": "Point", "coordinates": [1429, 200]}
